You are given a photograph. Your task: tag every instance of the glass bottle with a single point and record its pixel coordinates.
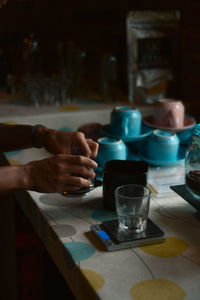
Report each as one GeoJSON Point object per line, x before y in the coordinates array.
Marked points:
{"type": "Point", "coordinates": [192, 164]}
{"type": "Point", "coordinates": [31, 55]}
{"type": "Point", "coordinates": [109, 78]}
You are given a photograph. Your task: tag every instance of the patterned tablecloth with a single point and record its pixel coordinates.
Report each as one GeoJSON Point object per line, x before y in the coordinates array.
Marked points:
{"type": "Point", "coordinates": [169, 270]}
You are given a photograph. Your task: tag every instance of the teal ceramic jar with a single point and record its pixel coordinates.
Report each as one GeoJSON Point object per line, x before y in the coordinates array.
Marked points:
{"type": "Point", "coordinates": [125, 121]}
{"type": "Point", "coordinates": [162, 145]}
{"type": "Point", "coordinates": [110, 149]}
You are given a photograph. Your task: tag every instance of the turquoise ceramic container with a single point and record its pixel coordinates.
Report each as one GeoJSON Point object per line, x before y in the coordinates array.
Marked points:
{"type": "Point", "coordinates": [110, 149]}
{"type": "Point", "coordinates": [125, 121]}
{"type": "Point", "coordinates": [162, 145]}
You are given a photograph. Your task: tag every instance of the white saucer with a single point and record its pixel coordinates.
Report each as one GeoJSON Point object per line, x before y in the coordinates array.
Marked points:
{"type": "Point", "coordinates": [105, 129]}
{"type": "Point", "coordinates": [189, 122]}
{"type": "Point", "coordinates": [180, 159]}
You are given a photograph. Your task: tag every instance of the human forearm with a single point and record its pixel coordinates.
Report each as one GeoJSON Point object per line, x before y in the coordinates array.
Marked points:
{"type": "Point", "coordinates": [15, 137]}
{"type": "Point", "coordinates": [13, 178]}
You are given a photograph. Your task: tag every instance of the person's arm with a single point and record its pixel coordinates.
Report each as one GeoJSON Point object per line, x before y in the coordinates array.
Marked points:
{"type": "Point", "coordinates": [69, 169]}
{"type": "Point", "coordinates": [16, 137]}
{"type": "Point", "coordinates": [12, 178]}
{"type": "Point", "coordinates": [59, 173]}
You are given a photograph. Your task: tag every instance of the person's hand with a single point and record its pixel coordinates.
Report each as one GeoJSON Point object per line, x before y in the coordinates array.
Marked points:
{"type": "Point", "coordinates": [59, 173]}
{"type": "Point", "coordinates": [91, 130]}
{"type": "Point", "coordinates": [58, 141]}
{"type": "Point", "coordinates": [67, 142]}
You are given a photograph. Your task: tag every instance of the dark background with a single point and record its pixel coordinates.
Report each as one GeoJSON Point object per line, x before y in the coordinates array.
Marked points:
{"type": "Point", "coordinates": [97, 27]}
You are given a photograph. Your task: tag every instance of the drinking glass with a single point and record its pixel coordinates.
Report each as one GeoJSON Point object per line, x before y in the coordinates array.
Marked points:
{"type": "Point", "coordinates": [132, 205]}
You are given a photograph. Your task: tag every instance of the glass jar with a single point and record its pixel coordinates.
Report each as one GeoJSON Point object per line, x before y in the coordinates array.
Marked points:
{"type": "Point", "coordinates": [192, 164]}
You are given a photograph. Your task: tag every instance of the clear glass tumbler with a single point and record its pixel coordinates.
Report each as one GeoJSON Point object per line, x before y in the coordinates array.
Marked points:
{"type": "Point", "coordinates": [132, 205]}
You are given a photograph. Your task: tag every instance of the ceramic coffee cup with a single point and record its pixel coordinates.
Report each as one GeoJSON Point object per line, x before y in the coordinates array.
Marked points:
{"type": "Point", "coordinates": [117, 173]}
{"type": "Point", "coordinates": [162, 145]}
{"type": "Point", "coordinates": [125, 121]}
{"type": "Point", "coordinates": [169, 113]}
{"type": "Point", "coordinates": [109, 149]}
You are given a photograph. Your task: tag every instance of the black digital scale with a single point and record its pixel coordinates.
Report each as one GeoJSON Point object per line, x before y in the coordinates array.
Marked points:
{"type": "Point", "coordinates": [113, 238]}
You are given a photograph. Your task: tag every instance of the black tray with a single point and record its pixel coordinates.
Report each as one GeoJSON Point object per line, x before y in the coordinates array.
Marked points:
{"type": "Point", "coordinates": [182, 191]}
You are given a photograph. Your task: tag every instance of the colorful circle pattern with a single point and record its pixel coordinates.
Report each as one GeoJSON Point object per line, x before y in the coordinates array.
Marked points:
{"type": "Point", "coordinates": [79, 250]}
{"type": "Point", "coordinates": [171, 247]}
{"type": "Point", "coordinates": [157, 289]}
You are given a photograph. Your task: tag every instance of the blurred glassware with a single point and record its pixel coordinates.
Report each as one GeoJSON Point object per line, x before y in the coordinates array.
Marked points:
{"type": "Point", "coordinates": [42, 90]}
{"type": "Point", "coordinates": [32, 91]}
{"type": "Point", "coordinates": [31, 55]}
{"type": "Point", "coordinates": [65, 91]}
{"type": "Point", "coordinates": [11, 84]}
{"type": "Point", "coordinates": [109, 78]}
{"type": "Point", "coordinates": [75, 65]}
{"type": "Point", "coordinates": [5, 67]}
{"type": "Point", "coordinates": [61, 50]}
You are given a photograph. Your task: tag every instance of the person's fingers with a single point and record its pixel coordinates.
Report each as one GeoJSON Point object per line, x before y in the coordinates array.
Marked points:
{"type": "Point", "coordinates": [60, 173]}
{"type": "Point", "coordinates": [81, 171]}
{"type": "Point", "coordinates": [75, 143]}
{"type": "Point", "coordinates": [71, 183]}
{"type": "Point", "coordinates": [80, 161]}
{"type": "Point", "coordinates": [80, 145]}
{"type": "Point", "coordinates": [76, 183]}
{"type": "Point", "coordinates": [93, 147]}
